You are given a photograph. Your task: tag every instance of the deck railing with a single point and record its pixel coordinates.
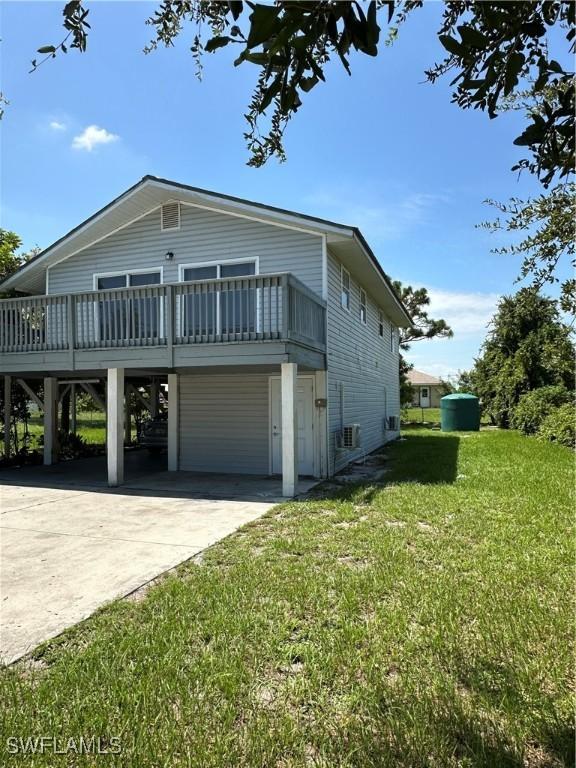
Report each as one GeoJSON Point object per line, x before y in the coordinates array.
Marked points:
{"type": "Point", "coordinates": [253, 308]}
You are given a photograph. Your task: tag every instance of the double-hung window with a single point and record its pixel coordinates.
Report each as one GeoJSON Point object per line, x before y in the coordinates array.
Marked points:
{"type": "Point", "coordinates": [212, 309]}
{"type": "Point", "coordinates": [123, 317]}
{"type": "Point", "coordinates": [363, 307]}
{"type": "Point", "coordinates": [345, 288]}
{"type": "Point", "coordinates": [380, 323]}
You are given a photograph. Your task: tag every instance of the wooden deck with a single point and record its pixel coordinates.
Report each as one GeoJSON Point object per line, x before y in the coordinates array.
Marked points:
{"type": "Point", "coordinates": [259, 319]}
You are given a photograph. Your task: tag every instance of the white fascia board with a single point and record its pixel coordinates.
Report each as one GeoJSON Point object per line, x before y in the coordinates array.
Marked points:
{"type": "Point", "coordinates": [246, 210]}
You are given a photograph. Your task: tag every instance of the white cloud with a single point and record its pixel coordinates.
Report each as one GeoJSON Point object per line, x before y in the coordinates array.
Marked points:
{"type": "Point", "coordinates": [467, 313]}
{"type": "Point", "coordinates": [387, 219]}
{"type": "Point", "coordinates": [92, 136]}
{"type": "Point", "coordinates": [56, 126]}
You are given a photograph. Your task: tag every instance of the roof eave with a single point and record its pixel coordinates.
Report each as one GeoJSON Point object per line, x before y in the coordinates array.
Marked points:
{"type": "Point", "coordinates": [322, 226]}
{"type": "Point", "coordinates": [359, 238]}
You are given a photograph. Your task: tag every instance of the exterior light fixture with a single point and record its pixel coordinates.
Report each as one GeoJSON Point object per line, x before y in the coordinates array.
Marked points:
{"type": "Point", "coordinates": [169, 255]}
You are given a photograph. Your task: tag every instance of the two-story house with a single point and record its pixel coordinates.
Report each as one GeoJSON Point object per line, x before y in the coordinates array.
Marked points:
{"type": "Point", "coordinates": [275, 332]}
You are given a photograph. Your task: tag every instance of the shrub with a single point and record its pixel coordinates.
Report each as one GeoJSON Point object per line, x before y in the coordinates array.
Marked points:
{"type": "Point", "coordinates": [535, 406]}
{"type": "Point", "coordinates": [71, 446]}
{"type": "Point", "coordinates": [560, 426]}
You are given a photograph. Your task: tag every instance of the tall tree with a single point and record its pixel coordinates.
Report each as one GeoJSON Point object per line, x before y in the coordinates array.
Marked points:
{"type": "Point", "coordinates": [423, 327]}
{"type": "Point", "coordinates": [545, 224]}
{"type": "Point", "coordinates": [528, 347]}
{"type": "Point", "coordinates": [542, 225]}
{"type": "Point", "coordinates": [495, 51]}
{"type": "Point", "coordinates": [417, 301]}
{"type": "Point", "coordinates": [491, 49]}
{"type": "Point", "coordinates": [10, 260]}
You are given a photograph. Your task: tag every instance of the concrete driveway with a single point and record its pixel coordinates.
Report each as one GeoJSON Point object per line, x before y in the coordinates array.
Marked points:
{"type": "Point", "coordinates": [65, 549]}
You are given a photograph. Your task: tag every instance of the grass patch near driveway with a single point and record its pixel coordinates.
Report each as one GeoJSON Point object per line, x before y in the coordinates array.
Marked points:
{"type": "Point", "coordinates": [425, 622]}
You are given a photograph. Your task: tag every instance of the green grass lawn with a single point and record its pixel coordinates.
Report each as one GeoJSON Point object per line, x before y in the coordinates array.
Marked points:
{"type": "Point", "coordinates": [427, 416]}
{"type": "Point", "coordinates": [426, 622]}
{"type": "Point", "coordinates": [90, 426]}
{"type": "Point", "coordinates": [421, 415]}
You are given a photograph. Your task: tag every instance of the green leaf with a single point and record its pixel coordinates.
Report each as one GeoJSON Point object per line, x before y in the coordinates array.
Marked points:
{"type": "Point", "coordinates": [534, 134]}
{"type": "Point", "coordinates": [46, 49]}
{"type": "Point", "coordinates": [263, 23]}
{"type": "Point", "coordinates": [513, 69]}
{"type": "Point", "coordinates": [307, 83]}
{"type": "Point", "coordinates": [452, 46]}
{"type": "Point", "coordinates": [215, 43]}
{"type": "Point", "coordinates": [553, 66]}
{"type": "Point", "coordinates": [235, 8]}
{"type": "Point", "coordinates": [254, 58]}
{"type": "Point", "coordinates": [372, 28]}
{"type": "Point", "coordinates": [471, 36]}
{"type": "Point", "coordinates": [270, 93]}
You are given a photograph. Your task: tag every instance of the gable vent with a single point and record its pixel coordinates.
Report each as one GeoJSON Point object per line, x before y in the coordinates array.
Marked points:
{"type": "Point", "coordinates": [170, 216]}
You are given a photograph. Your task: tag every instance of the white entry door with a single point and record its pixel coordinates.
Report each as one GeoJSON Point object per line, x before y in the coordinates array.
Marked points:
{"type": "Point", "coordinates": [304, 425]}
{"type": "Point", "coordinates": [424, 397]}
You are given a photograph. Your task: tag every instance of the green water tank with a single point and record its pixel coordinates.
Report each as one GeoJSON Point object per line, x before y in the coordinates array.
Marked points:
{"type": "Point", "coordinates": [460, 413]}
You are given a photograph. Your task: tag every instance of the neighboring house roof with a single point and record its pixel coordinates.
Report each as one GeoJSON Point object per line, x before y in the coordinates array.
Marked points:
{"type": "Point", "coordinates": [421, 378]}
{"type": "Point", "coordinates": [346, 242]}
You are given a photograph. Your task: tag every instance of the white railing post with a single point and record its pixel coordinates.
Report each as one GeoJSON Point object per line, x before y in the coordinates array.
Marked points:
{"type": "Point", "coordinates": [248, 308]}
{"type": "Point", "coordinates": [70, 325]}
{"type": "Point", "coordinates": [169, 321]}
{"type": "Point", "coordinates": [285, 307]}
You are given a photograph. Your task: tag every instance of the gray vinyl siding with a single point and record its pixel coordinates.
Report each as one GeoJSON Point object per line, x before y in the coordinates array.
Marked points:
{"type": "Point", "coordinates": [224, 423]}
{"type": "Point", "coordinates": [204, 236]}
{"type": "Point", "coordinates": [361, 361]}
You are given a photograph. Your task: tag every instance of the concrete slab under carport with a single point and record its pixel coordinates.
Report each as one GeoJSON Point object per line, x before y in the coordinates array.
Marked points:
{"type": "Point", "coordinates": [147, 473]}
{"type": "Point", "coordinates": [66, 548]}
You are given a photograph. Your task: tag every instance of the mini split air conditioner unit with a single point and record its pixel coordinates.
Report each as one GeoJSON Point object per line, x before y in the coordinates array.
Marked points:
{"type": "Point", "coordinates": [393, 423]}
{"type": "Point", "coordinates": [350, 437]}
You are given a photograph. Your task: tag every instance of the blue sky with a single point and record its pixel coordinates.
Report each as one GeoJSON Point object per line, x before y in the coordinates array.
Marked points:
{"type": "Point", "coordinates": [381, 150]}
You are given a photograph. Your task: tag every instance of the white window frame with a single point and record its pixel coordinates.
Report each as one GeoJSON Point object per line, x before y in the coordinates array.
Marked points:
{"type": "Point", "coordinates": [125, 273]}
{"type": "Point", "coordinates": [347, 291]}
{"type": "Point", "coordinates": [380, 323]}
{"type": "Point", "coordinates": [392, 339]}
{"type": "Point", "coordinates": [363, 307]}
{"type": "Point", "coordinates": [218, 264]}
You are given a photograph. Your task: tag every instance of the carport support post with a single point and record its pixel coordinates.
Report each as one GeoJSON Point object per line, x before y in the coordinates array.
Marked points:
{"type": "Point", "coordinates": [128, 420]}
{"type": "Point", "coordinates": [73, 409]}
{"type": "Point", "coordinates": [50, 419]}
{"type": "Point", "coordinates": [115, 424]}
{"type": "Point", "coordinates": [154, 392]}
{"type": "Point", "coordinates": [289, 452]}
{"type": "Point", "coordinates": [7, 413]}
{"type": "Point", "coordinates": [173, 422]}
